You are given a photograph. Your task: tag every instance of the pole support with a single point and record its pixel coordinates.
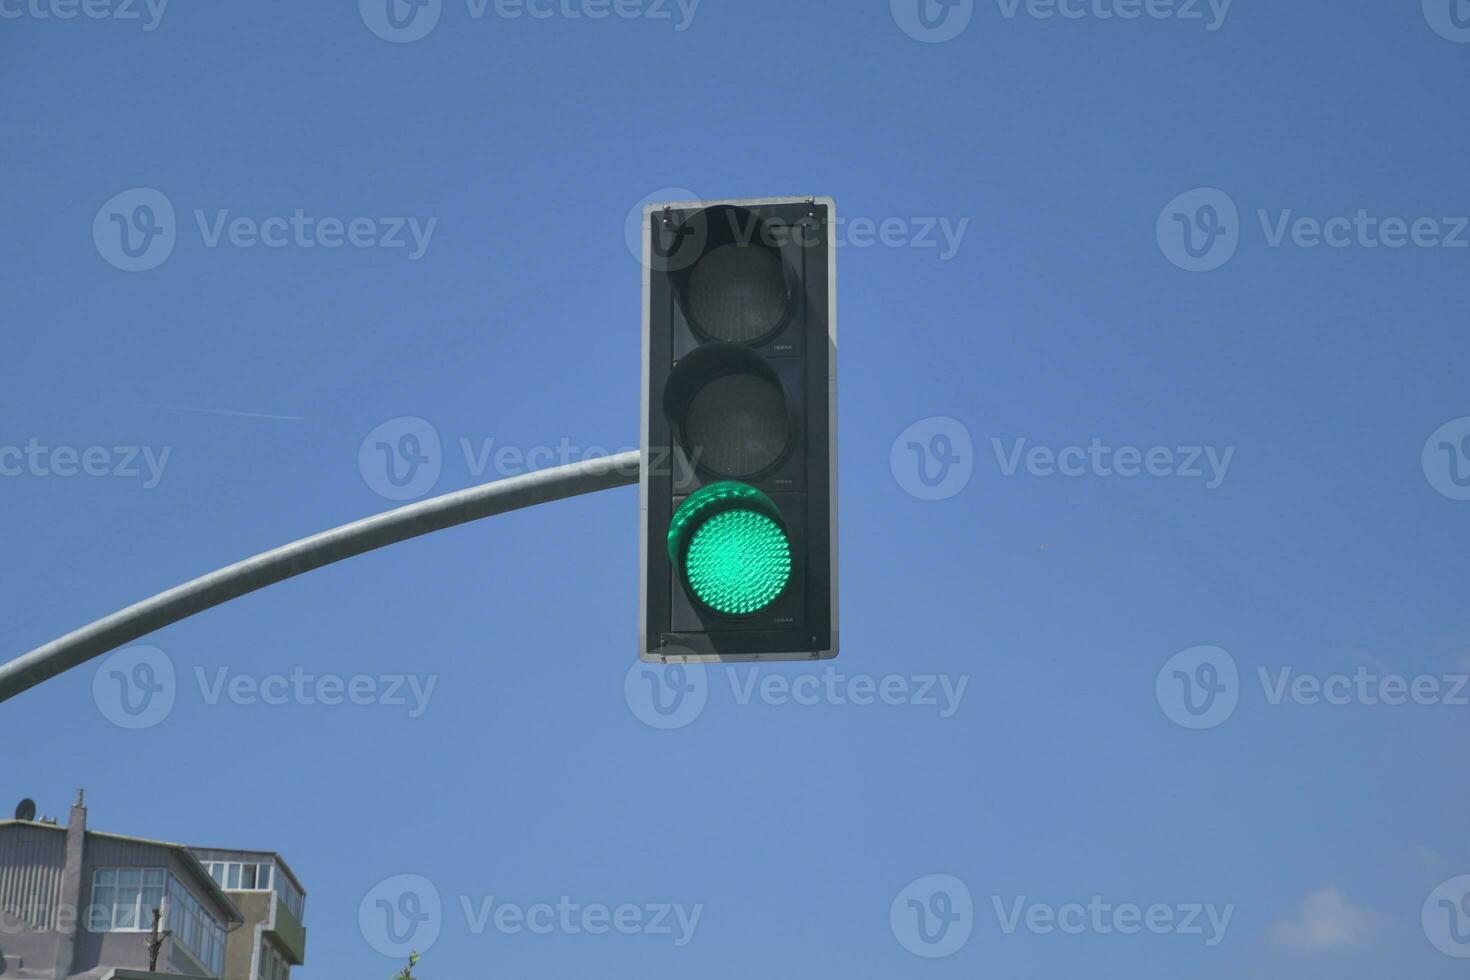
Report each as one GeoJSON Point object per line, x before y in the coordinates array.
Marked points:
{"type": "Point", "coordinates": [308, 554]}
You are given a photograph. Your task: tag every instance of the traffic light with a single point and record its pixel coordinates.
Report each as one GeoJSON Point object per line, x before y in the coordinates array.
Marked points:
{"type": "Point", "coordinates": [738, 489]}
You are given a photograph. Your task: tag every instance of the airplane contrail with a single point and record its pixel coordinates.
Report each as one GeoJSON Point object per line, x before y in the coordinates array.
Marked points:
{"type": "Point", "coordinates": [228, 411]}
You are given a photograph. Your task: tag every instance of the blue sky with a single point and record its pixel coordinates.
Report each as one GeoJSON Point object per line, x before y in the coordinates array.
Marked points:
{"type": "Point", "coordinates": [1067, 156]}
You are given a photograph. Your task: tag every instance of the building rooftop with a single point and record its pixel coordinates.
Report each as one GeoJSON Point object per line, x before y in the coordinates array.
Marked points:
{"type": "Point", "coordinates": [185, 852]}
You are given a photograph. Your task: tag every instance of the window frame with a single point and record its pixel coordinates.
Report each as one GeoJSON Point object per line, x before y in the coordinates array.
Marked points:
{"type": "Point", "coordinates": [225, 872]}
{"type": "Point", "coordinates": [182, 916]}
{"type": "Point", "coordinates": [109, 879]}
{"type": "Point", "coordinates": [272, 965]}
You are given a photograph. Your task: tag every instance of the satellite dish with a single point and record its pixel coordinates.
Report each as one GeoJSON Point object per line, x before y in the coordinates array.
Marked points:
{"type": "Point", "coordinates": [25, 810]}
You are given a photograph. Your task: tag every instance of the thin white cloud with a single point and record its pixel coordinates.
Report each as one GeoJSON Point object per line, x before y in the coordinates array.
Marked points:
{"type": "Point", "coordinates": [1325, 921]}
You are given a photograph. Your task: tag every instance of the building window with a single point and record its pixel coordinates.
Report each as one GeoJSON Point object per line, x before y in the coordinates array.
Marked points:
{"type": "Point", "coordinates": [273, 965]}
{"type": "Point", "coordinates": [123, 899]}
{"type": "Point", "coordinates": [291, 896]}
{"type": "Point", "coordinates": [199, 932]}
{"type": "Point", "coordinates": [248, 877]}
{"type": "Point", "coordinates": [240, 877]}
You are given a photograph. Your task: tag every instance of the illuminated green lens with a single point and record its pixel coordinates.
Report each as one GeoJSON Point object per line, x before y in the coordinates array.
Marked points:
{"type": "Point", "coordinates": [738, 563]}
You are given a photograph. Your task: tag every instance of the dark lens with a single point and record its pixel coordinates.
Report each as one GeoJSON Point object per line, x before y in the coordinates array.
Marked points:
{"type": "Point", "coordinates": [737, 293]}
{"type": "Point", "coordinates": [736, 425]}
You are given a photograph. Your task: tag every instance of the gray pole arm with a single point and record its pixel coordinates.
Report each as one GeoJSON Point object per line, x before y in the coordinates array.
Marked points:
{"type": "Point", "coordinates": [302, 556]}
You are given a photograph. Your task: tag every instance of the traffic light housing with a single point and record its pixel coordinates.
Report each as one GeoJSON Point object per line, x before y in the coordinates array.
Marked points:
{"type": "Point", "coordinates": [738, 489]}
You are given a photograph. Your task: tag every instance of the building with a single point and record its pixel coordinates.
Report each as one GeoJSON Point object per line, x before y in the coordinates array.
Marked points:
{"type": "Point", "coordinates": [271, 901]}
{"type": "Point", "coordinates": [76, 904]}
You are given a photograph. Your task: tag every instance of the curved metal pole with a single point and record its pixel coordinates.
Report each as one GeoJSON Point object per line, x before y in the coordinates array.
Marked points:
{"type": "Point", "coordinates": [302, 556]}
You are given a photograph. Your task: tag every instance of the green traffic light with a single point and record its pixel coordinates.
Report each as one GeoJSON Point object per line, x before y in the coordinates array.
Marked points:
{"type": "Point", "coordinates": [738, 563]}
{"type": "Point", "coordinates": [728, 542]}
